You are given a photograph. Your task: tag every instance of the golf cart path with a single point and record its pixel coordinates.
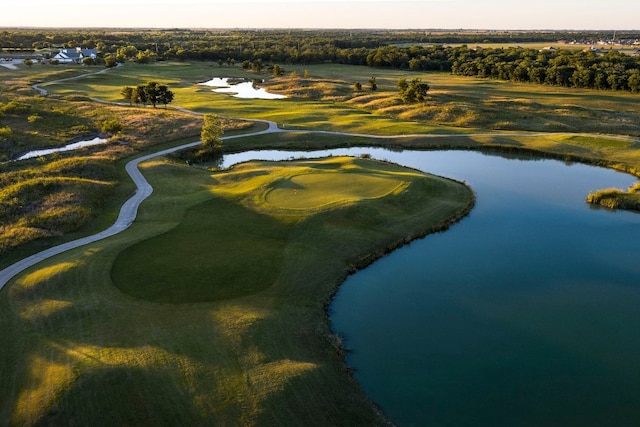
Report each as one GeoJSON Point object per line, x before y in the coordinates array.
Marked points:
{"type": "Point", "coordinates": [127, 215]}
{"type": "Point", "coordinates": [129, 209]}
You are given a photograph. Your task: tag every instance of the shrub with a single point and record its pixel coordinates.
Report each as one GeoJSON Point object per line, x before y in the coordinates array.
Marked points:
{"type": "Point", "coordinates": [111, 126]}
{"type": "Point", "coordinates": [614, 198]}
{"type": "Point", "coordinates": [414, 91]}
{"type": "Point", "coordinates": [15, 107]}
{"type": "Point", "coordinates": [5, 133]}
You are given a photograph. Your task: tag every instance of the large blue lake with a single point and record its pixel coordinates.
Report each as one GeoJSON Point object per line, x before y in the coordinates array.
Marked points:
{"type": "Point", "coordinates": [525, 313]}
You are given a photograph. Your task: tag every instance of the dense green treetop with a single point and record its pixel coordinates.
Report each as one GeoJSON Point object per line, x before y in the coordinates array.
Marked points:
{"type": "Point", "coordinates": [173, 40]}
{"type": "Point", "coordinates": [410, 49]}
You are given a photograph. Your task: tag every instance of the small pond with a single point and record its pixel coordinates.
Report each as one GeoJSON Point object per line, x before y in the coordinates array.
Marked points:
{"type": "Point", "coordinates": [524, 313]}
{"type": "Point", "coordinates": [245, 90]}
{"type": "Point", "coordinates": [68, 147]}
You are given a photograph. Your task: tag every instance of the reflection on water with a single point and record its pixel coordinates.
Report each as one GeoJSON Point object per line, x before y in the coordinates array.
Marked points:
{"type": "Point", "coordinates": [245, 90]}
{"type": "Point", "coordinates": [524, 313]}
{"type": "Point", "coordinates": [69, 147]}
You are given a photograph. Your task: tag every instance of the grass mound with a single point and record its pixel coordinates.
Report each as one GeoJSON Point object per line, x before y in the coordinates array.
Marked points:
{"type": "Point", "coordinates": [52, 199]}
{"type": "Point", "coordinates": [311, 88]}
{"type": "Point", "coordinates": [220, 250]}
{"type": "Point", "coordinates": [614, 198]}
{"type": "Point", "coordinates": [313, 191]}
{"type": "Point", "coordinates": [233, 244]}
{"type": "Point", "coordinates": [260, 351]}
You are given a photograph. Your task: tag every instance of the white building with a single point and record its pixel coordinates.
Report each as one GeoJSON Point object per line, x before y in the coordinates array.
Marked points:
{"type": "Point", "coordinates": [69, 56]}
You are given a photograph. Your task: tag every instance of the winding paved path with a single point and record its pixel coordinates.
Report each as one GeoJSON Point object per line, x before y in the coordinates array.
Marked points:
{"type": "Point", "coordinates": [129, 210]}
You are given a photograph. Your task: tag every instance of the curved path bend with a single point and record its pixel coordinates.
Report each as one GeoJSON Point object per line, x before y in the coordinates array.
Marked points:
{"type": "Point", "coordinates": [129, 209]}
{"type": "Point", "coordinates": [127, 215]}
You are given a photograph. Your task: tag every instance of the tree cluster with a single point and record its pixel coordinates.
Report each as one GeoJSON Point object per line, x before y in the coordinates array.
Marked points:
{"type": "Point", "coordinates": [151, 93]}
{"type": "Point", "coordinates": [413, 91]}
{"type": "Point", "coordinates": [180, 41]}
{"type": "Point", "coordinates": [383, 48]}
{"type": "Point", "coordinates": [611, 70]}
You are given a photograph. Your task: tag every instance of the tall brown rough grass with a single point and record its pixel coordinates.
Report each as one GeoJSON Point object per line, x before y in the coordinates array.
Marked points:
{"type": "Point", "coordinates": [614, 198]}
{"type": "Point", "coordinates": [52, 199]}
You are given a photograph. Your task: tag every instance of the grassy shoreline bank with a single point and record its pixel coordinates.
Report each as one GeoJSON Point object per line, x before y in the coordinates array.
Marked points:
{"type": "Point", "coordinates": [271, 344]}
{"type": "Point", "coordinates": [265, 356]}
{"type": "Point", "coordinates": [624, 156]}
{"type": "Point", "coordinates": [325, 100]}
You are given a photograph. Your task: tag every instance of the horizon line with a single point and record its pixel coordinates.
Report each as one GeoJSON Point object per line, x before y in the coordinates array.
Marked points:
{"type": "Point", "coordinates": [550, 30]}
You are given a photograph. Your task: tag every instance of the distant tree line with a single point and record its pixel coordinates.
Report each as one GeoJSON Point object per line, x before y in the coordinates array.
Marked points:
{"type": "Point", "coordinates": [581, 69]}
{"type": "Point", "coordinates": [411, 50]}
{"type": "Point", "coordinates": [161, 41]}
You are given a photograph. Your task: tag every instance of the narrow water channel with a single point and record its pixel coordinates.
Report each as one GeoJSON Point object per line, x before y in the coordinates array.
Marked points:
{"type": "Point", "coordinates": [524, 313]}
{"type": "Point", "coordinates": [68, 147]}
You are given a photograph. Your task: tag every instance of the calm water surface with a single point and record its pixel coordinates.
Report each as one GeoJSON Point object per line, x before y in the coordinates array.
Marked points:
{"type": "Point", "coordinates": [244, 90]}
{"type": "Point", "coordinates": [68, 147]}
{"type": "Point", "coordinates": [527, 312]}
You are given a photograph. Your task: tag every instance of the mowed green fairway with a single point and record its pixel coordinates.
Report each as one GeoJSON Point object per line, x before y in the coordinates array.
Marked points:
{"type": "Point", "coordinates": [455, 104]}
{"type": "Point", "coordinates": [225, 248]}
{"type": "Point", "coordinates": [210, 308]}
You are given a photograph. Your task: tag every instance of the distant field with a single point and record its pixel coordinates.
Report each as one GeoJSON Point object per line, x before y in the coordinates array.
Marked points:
{"type": "Point", "coordinates": [326, 100]}
{"type": "Point", "coordinates": [212, 348]}
{"type": "Point", "coordinates": [567, 46]}
{"type": "Point", "coordinates": [183, 79]}
{"type": "Point", "coordinates": [85, 334]}
{"type": "Point", "coordinates": [541, 45]}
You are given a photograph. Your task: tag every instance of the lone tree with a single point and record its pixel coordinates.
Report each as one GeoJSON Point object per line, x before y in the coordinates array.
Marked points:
{"type": "Point", "coordinates": [211, 134]}
{"type": "Point", "coordinates": [278, 70]}
{"type": "Point", "coordinates": [414, 91]}
{"type": "Point", "coordinates": [373, 84]}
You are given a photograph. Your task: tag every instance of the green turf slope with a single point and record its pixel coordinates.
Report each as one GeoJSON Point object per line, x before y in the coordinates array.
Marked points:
{"type": "Point", "coordinates": [217, 316]}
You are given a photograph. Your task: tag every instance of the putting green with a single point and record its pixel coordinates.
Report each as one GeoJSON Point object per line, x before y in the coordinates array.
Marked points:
{"type": "Point", "coordinates": [316, 190]}
{"type": "Point", "coordinates": [234, 244]}
{"type": "Point", "coordinates": [237, 333]}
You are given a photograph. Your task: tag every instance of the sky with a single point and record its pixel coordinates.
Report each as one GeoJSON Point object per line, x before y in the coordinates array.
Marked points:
{"type": "Point", "coordinates": [391, 14]}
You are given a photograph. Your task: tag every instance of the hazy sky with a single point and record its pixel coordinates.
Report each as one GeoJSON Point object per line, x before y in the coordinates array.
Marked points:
{"type": "Point", "coordinates": [448, 14]}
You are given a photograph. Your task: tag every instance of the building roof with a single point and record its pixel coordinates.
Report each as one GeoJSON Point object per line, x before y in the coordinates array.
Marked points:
{"type": "Point", "coordinates": [76, 54]}
{"type": "Point", "coordinates": [69, 53]}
